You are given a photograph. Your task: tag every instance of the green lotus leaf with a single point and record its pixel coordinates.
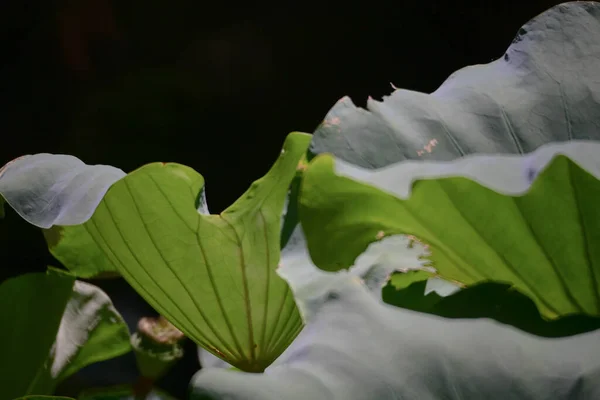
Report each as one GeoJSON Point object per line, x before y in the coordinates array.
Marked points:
{"type": "Point", "coordinates": [52, 327]}
{"type": "Point", "coordinates": [60, 193]}
{"type": "Point", "coordinates": [531, 220]}
{"type": "Point", "coordinates": [414, 290]}
{"type": "Point", "coordinates": [31, 308]}
{"type": "Point", "coordinates": [212, 276]}
{"type": "Point", "coordinates": [91, 331]}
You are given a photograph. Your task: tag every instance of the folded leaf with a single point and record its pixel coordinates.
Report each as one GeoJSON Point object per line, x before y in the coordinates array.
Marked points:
{"type": "Point", "coordinates": [531, 220]}
{"type": "Point", "coordinates": [52, 191]}
{"type": "Point", "coordinates": [544, 89]}
{"type": "Point", "coordinates": [373, 267]}
{"type": "Point", "coordinates": [54, 326]}
{"type": "Point", "coordinates": [355, 347]}
{"type": "Point", "coordinates": [237, 284]}
{"type": "Point", "coordinates": [212, 276]}
{"type": "Point", "coordinates": [91, 330]}
{"type": "Point", "coordinates": [312, 284]}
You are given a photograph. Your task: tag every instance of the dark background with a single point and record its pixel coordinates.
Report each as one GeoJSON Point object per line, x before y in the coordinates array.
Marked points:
{"type": "Point", "coordinates": [213, 85]}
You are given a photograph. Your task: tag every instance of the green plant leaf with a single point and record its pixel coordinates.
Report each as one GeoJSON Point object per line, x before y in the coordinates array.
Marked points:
{"type": "Point", "coordinates": [542, 90]}
{"type": "Point", "coordinates": [408, 290]}
{"type": "Point", "coordinates": [431, 283]}
{"type": "Point", "coordinates": [356, 347]}
{"type": "Point", "coordinates": [51, 191]}
{"type": "Point", "coordinates": [498, 301]}
{"type": "Point", "coordinates": [54, 326]}
{"type": "Point", "coordinates": [212, 276]}
{"type": "Point", "coordinates": [91, 330]}
{"type": "Point", "coordinates": [31, 308]}
{"type": "Point", "coordinates": [543, 243]}
{"type": "Point", "coordinates": [76, 249]}
{"type": "Point", "coordinates": [416, 288]}
{"type": "Point", "coordinates": [535, 94]}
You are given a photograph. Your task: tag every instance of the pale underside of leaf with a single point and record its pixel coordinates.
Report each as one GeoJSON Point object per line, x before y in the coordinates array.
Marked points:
{"type": "Point", "coordinates": [355, 348]}
{"type": "Point", "coordinates": [543, 89]}
{"type": "Point", "coordinates": [373, 267]}
{"type": "Point", "coordinates": [55, 189]}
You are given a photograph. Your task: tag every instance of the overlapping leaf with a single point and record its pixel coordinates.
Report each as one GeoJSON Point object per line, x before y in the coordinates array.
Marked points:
{"type": "Point", "coordinates": [208, 271]}
{"type": "Point", "coordinates": [91, 330]}
{"type": "Point", "coordinates": [540, 91]}
{"type": "Point", "coordinates": [51, 191]}
{"type": "Point", "coordinates": [531, 221]}
{"type": "Point", "coordinates": [500, 301]}
{"type": "Point", "coordinates": [213, 276]}
{"type": "Point", "coordinates": [373, 267]}
{"type": "Point", "coordinates": [52, 327]}
{"type": "Point", "coordinates": [543, 89]}
{"type": "Point", "coordinates": [356, 347]}
{"type": "Point", "coordinates": [31, 308]}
